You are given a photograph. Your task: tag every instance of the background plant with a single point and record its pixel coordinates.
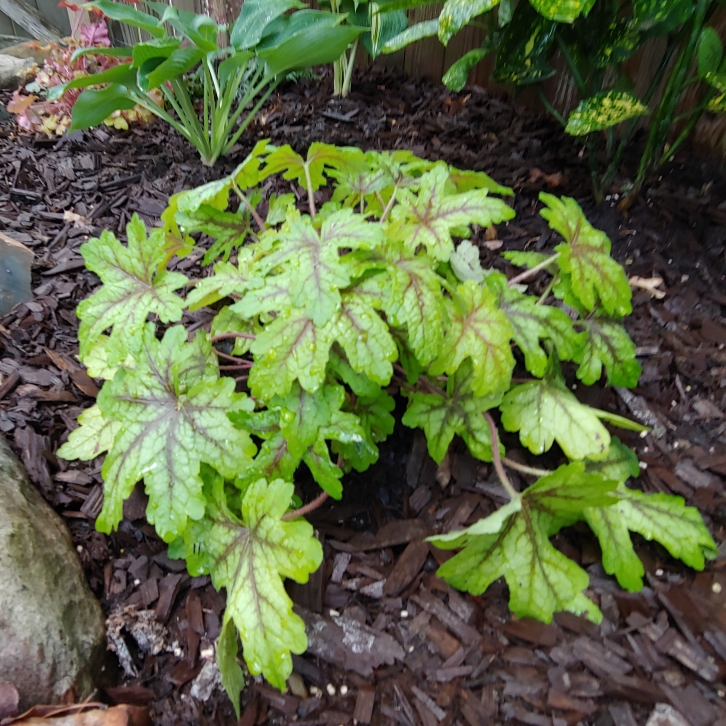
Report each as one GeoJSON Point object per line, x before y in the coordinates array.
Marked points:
{"type": "Point", "coordinates": [269, 39]}
{"type": "Point", "coordinates": [319, 316]}
{"type": "Point", "coordinates": [595, 38]}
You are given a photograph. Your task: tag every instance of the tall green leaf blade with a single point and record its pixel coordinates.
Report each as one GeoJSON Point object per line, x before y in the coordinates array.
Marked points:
{"type": "Point", "coordinates": [133, 287]}
{"type": "Point", "coordinates": [249, 555]}
{"type": "Point", "coordinates": [426, 29]}
{"type": "Point", "coordinates": [585, 257]}
{"type": "Point", "coordinates": [603, 111]}
{"type": "Point", "coordinates": [480, 331]}
{"type": "Point", "coordinates": [607, 344]}
{"type": "Point", "coordinates": [546, 411]}
{"type": "Point", "coordinates": [173, 413]}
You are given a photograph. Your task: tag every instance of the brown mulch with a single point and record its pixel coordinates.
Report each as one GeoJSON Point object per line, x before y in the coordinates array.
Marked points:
{"type": "Point", "coordinates": [392, 643]}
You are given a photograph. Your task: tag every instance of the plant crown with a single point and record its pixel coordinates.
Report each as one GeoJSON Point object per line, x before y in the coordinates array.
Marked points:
{"type": "Point", "coordinates": [317, 319]}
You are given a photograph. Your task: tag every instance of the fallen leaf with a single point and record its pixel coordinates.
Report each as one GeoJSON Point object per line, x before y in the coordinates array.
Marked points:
{"type": "Point", "coordinates": [649, 284]}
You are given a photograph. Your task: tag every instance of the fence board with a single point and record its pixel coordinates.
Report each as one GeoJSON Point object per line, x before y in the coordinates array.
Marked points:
{"type": "Point", "coordinates": [425, 59]}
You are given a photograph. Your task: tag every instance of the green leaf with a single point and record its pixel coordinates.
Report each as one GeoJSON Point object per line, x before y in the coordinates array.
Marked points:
{"type": "Point", "coordinates": [546, 411]}
{"type": "Point", "coordinates": [133, 286]}
{"type": "Point", "coordinates": [465, 181]}
{"type": "Point", "coordinates": [717, 104]}
{"type": "Point", "coordinates": [525, 48]}
{"type": "Point", "coordinates": [94, 436]}
{"type": "Point", "coordinates": [430, 217]}
{"type": "Point", "coordinates": [710, 52]}
{"type": "Point", "coordinates": [384, 25]}
{"type": "Point", "coordinates": [457, 411]}
{"type": "Point", "coordinates": [585, 256]}
{"type": "Point", "coordinates": [717, 80]}
{"type": "Point", "coordinates": [173, 413]}
{"type": "Point", "coordinates": [278, 207]}
{"type": "Point", "coordinates": [659, 517]}
{"type": "Point", "coordinates": [127, 14]}
{"type": "Point", "coordinates": [515, 545]}
{"type": "Point", "coordinates": [96, 50]}
{"type": "Point", "coordinates": [121, 74]}
{"type": "Point", "coordinates": [527, 259]}
{"type": "Point", "coordinates": [603, 111]}
{"type": "Point", "coordinates": [156, 49]}
{"type": "Point", "coordinates": [661, 16]}
{"type": "Point", "coordinates": [290, 348]}
{"type": "Point", "coordinates": [480, 331]}
{"type": "Point", "coordinates": [606, 343]}
{"type": "Point", "coordinates": [457, 13]}
{"type": "Point", "coordinates": [233, 678]}
{"type": "Point", "coordinates": [250, 554]}
{"type": "Point", "coordinates": [226, 280]}
{"type": "Point", "coordinates": [532, 323]}
{"type": "Point", "coordinates": [176, 65]}
{"type": "Point", "coordinates": [618, 465]}
{"type": "Point", "coordinates": [94, 107]}
{"type": "Point", "coordinates": [458, 74]}
{"type": "Point", "coordinates": [563, 11]}
{"type": "Point", "coordinates": [416, 32]}
{"type": "Point", "coordinates": [365, 339]}
{"type": "Point", "coordinates": [465, 262]}
{"type": "Point", "coordinates": [414, 298]}
{"type": "Point", "coordinates": [229, 229]}
{"type": "Point", "coordinates": [255, 16]}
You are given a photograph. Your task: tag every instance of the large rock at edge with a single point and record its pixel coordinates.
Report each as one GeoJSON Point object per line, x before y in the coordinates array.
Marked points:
{"type": "Point", "coordinates": [52, 634]}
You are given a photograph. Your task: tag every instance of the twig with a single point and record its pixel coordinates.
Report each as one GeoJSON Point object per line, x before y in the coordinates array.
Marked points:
{"type": "Point", "coordinates": [234, 359]}
{"type": "Point", "coordinates": [246, 202]}
{"type": "Point", "coordinates": [524, 469]}
{"type": "Point", "coordinates": [309, 507]}
{"type": "Point", "coordinates": [533, 270]}
{"type": "Point", "coordinates": [497, 460]}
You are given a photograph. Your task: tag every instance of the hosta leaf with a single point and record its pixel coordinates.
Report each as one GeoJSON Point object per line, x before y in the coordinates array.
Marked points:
{"type": "Point", "coordinates": [532, 323]}
{"type": "Point", "coordinates": [94, 436]}
{"type": "Point", "coordinates": [604, 110]}
{"type": "Point", "coordinates": [457, 13]}
{"type": "Point", "coordinates": [133, 287]}
{"type": "Point", "coordinates": [660, 517]}
{"type": "Point", "coordinates": [480, 331]}
{"type": "Point", "coordinates": [608, 344]}
{"type": "Point", "coordinates": [250, 554]}
{"type": "Point", "coordinates": [415, 299]}
{"type": "Point", "coordinates": [562, 11]}
{"type": "Point", "coordinates": [541, 579]}
{"type": "Point", "coordinates": [457, 411]}
{"type": "Point", "coordinates": [364, 337]}
{"type": "Point", "coordinates": [710, 52]}
{"type": "Point", "coordinates": [430, 217]}
{"type": "Point", "coordinates": [585, 256]}
{"type": "Point", "coordinates": [546, 411]}
{"type": "Point", "coordinates": [290, 348]}
{"type": "Point", "coordinates": [173, 413]}
{"type": "Point", "coordinates": [230, 230]}
{"type": "Point", "coordinates": [255, 16]}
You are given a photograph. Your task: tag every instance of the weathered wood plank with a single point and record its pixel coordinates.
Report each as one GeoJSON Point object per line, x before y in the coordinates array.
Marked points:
{"type": "Point", "coordinates": [30, 20]}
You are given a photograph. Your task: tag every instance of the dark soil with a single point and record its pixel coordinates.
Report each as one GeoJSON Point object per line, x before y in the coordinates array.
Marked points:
{"type": "Point", "coordinates": [438, 657]}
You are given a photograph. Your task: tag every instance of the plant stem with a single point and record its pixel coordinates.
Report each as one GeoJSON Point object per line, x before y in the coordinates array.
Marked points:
{"type": "Point", "coordinates": [547, 290]}
{"type": "Point", "coordinates": [309, 507]}
{"type": "Point", "coordinates": [227, 336]}
{"type": "Point", "coordinates": [550, 108]}
{"type": "Point", "coordinates": [347, 80]}
{"type": "Point", "coordinates": [532, 271]}
{"type": "Point", "coordinates": [513, 494]}
{"type": "Point", "coordinates": [523, 469]}
{"type": "Point", "coordinates": [390, 204]}
{"type": "Point", "coordinates": [234, 359]}
{"type": "Point", "coordinates": [252, 210]}
{"type": "Point", "coordinates": [250, 116]}
{"type": "Point", "coordinates": [311, 193]}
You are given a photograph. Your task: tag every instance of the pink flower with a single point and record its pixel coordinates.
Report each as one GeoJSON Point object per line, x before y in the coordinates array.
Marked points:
{"type": "Point", "coordinates": [95, 34]}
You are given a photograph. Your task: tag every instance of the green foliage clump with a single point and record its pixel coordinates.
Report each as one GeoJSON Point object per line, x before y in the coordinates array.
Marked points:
{"type": "Point", "coordinates": [318, 317]}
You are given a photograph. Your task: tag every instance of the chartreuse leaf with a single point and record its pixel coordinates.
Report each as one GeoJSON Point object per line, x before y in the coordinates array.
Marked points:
{"type": "Point", "coordinates": [94, 436]}
{"type": "Point", "coordinates": [607, 343]}
{"type": "Point", "coordinates": [457, 13]}
{"type": "Point", "coordinates": [660, 517]}
{"type": "Point", "coordinates": [585, 256]}
{"type": "Point", "coordinates": [563, 11]}
{"type": "Point", "coordinates": [457, 411]}
{"type": "Point", "coordinates": [97, 363]}
{"type": "Point", "coordinates": [250, 553]}
{"type": "Point", "coordinates": [547, 411]}
{"type": "Point", "coordinates": [133, 286]}
{"type": "Point", "coordinates": [618, 465]}
{"type": "Point", "coordinates": [233, 677]}
{"type": "Point", "coordinates": [532, 323]}
{"type": "Point", "coordinates": [603, 111]}
{"type": "Point", "coordinates": [172, 409]}
{"type": "Point", "coordinates": [514, 543]}
{"type": "Point", "coordinates": [413, 298]}
{"type": "Point", "coordinates": [527, 259]}
{"type": "Point", "coordinates": [480, 331]}
{"type": "Point", "coordinates": [227, 280]}
{"type": "Point", "coordinates": [429, 217]}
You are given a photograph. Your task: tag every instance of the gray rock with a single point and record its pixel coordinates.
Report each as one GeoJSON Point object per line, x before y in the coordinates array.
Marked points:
{"type": "Point", "coordinates": [13, 71]}
{"type": "Point", "coordinates": [52, 634]}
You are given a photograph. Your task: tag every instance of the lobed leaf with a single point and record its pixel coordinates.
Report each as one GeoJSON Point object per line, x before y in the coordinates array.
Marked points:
{"type": "Point", "coordinates": [607, 343]}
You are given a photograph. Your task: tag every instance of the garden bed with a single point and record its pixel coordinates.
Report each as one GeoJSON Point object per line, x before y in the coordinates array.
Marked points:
{"type": "Point", "coordinates": [438, 657]}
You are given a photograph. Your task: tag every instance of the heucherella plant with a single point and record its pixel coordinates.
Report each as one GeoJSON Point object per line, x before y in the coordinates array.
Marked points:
{"type": "Point", "coordinates": [319, 315]}
{"type": "Point", "coordinates": [269, 40]}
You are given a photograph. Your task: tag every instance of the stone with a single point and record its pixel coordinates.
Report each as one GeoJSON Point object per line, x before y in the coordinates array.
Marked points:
{"type": "Point", "coordinates": [15, 262]}
{"type": "Point", "coordinates": [52, 634]}
{"type": "Point", "coordinates": [13, 71]}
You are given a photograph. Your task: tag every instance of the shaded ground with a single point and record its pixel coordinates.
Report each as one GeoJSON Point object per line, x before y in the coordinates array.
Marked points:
{"type": "Point", "coordinates": [431, 655]}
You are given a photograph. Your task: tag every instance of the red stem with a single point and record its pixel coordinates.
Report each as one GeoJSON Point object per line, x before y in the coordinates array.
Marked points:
{"type": "Point", "coordinates": [226, 336]}
{"type": "Point", "coordinates": [307, 508]}
{"type": "Point", "coordinates": [497, 460]}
